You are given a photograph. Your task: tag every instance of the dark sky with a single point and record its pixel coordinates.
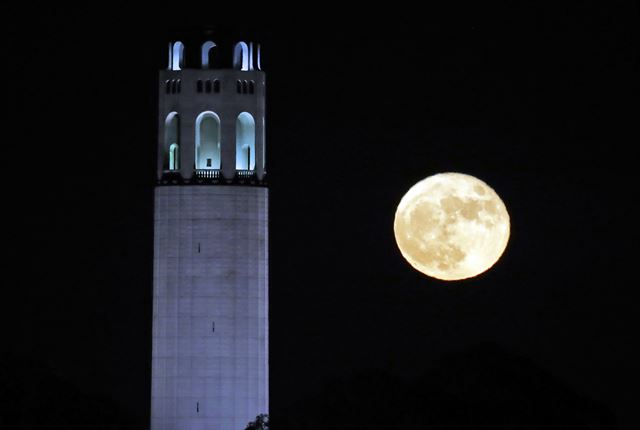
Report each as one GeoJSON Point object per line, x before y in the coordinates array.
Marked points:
{"type": "Point", "coordinates": [536, 102]}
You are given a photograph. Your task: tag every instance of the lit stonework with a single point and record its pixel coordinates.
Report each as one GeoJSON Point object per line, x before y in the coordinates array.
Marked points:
{"type": "Point", "coordinates": [210, 301]}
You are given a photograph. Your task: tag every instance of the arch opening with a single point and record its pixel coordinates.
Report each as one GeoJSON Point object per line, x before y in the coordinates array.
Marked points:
{"type": "Point", "coordinates": [208, 141]}
{"type": "Point", "coordinates": [171, 159]}
{"type": "Point", "coordinates": [176, 56]}
{"type": "Point", "coordinates": [207, 54]}
{"type": "Point", "coordinates": [241, 57]}
{"type": "Point", "coordinates": [245, 142]}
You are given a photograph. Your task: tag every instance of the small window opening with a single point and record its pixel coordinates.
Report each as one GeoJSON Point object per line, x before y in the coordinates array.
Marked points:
{"type": "Point", "coordinates": [174, 157]}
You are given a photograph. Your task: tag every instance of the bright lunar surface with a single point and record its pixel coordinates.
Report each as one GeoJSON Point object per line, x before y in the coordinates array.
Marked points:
{"type": "Point", "coordinates": [451, 226]}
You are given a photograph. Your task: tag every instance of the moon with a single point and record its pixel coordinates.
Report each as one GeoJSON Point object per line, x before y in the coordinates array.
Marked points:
{"type": "Point", "coordinates": [451, 226]}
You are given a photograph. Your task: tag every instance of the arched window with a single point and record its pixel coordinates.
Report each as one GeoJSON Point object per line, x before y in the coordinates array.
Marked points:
{"type": "Point", "coordinates": [207, 54]}
{"type": "Point", "coordinates": [179, 85]}
{"type": "Point", "coordinates": [216, 86]}
{"type": "Point", "coordinates": [208, 141]}
{"type": "Point", "coordinates": [252, 87]}
{"type": "Point", "coordinates": [245, 142]}
{"type": "Point", "coordinates": [199, 86]}
{"type": "Point", "coordinates": [207, 86]}
{"type": "Point", "coordinates": [239, 87]}
{"type": "Point", "coordinates": [172, 142]}
{"type": "Point", "coordinates": [176, 56]}
{"type": "Point", "coordinates": [167, 85]}
{"type": "Point", "coordinates": [244, 87]}
{"type": "Point", "coordinates": [241, 56]}
{"type": "Point", "coordinates": [174, 157]}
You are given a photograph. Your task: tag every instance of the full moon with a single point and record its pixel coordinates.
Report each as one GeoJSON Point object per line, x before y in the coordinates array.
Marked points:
{"type": "Point", "coordinates": [451, 226]}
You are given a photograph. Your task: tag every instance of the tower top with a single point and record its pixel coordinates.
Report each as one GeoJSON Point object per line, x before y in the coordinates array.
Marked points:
{"type": "Point", "coordinates": [211, 114]}
{"type": "Point", "coordinates": [245, 56]}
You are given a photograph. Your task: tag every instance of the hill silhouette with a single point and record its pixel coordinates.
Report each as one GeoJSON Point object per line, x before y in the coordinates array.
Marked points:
{"type": "Point", "coordinates": [484, 387]}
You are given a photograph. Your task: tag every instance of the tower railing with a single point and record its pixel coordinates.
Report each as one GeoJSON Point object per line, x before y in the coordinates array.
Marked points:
{"type": "Point", "coordinates": [245, 174]}
{"type": "Point", "coordinates": [213, 176]}
{"type": "Point", "coordinates": [208, 173]}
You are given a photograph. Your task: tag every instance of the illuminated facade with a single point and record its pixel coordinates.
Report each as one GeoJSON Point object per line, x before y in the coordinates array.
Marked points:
{"type": "Point", "coordinates": [210, 298]}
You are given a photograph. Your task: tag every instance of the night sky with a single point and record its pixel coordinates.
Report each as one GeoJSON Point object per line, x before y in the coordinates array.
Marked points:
{"type": "Point", "coordinates": [536, 102]}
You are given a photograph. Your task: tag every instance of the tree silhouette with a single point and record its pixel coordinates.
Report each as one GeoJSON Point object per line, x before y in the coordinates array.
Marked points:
{"type": "Point", "coordinates": [261, 423]}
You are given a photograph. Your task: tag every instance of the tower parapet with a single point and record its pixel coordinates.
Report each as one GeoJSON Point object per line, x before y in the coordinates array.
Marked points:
{"type": "Point", "coordinates": [211, 127]}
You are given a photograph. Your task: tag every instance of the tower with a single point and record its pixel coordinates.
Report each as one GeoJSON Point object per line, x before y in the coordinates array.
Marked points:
{"type": "Point", "coordinates": [210, 281]}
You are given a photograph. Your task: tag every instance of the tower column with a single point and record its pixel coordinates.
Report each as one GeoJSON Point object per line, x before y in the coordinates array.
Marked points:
{"type": "Point", "coordinates": [260, 147]}
{"type": "Point", "coordinates": [228, 123]}
{"type": "Point", "coordinates": [187, 137]}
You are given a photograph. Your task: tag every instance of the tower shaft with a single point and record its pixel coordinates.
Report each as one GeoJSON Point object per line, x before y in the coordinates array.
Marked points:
{"type": "Point", "coordinates": [210, 282]}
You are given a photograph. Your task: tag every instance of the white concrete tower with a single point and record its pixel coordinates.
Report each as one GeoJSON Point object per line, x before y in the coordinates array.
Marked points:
{"type": "Point", "coordinates": [210, 283]}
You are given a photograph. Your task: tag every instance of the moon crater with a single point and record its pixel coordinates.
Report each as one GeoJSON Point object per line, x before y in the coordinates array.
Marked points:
{"type": "Point", "coordinates": [451, 226]}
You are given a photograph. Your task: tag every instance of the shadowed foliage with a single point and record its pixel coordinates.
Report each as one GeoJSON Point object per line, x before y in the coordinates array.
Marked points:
{"type": "Point", "coordinates": [261, 423]}
{"type": "Point", "coordinates": [33, 397]}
